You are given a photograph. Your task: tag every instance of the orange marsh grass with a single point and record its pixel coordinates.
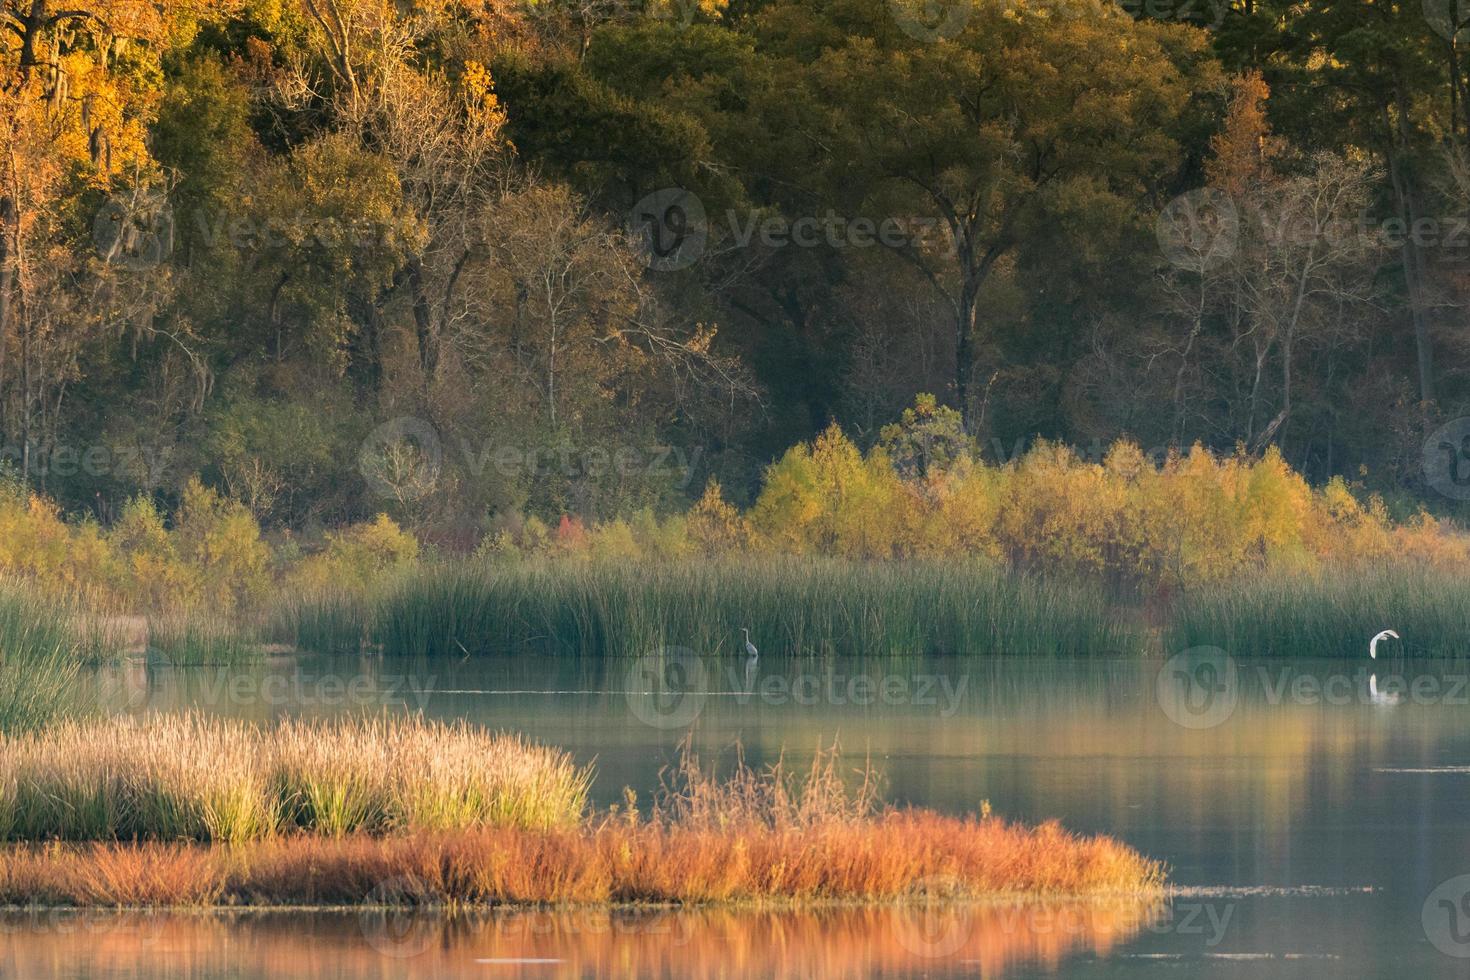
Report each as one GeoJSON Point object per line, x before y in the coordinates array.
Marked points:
{"type": "Point", "coordinates": [752, 836]}
{"type": "Point", "coordinates": [192, 777]}
{"type": "Point", "coordinates": [895, 855]}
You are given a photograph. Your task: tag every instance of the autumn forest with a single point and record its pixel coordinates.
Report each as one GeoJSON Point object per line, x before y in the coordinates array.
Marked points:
{"type": "Point", "coordinates": [474, 262]}
{"type": "Point", "coordinates": [723, 487]}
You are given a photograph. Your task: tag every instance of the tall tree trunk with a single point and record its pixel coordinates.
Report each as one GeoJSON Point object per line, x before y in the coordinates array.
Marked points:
{"type": "Point", "coordinates": [964, 353]}
{"type": "Point", "coordinates": [1412, 257]}
{"type": "Point", "coordinates": [9, 236]}
{"type": "Point", "coordinates": [1195, 329]}
{"type": "Point", "coordinates": [423, 322]}
{"type": "Point", "coordinates": [25, 399]}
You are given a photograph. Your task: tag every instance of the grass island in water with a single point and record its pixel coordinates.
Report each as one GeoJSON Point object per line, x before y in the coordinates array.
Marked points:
{"type": "Point", "coordinates": [190, 811]}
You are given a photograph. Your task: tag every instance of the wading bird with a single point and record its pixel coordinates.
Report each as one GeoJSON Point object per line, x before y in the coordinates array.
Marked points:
{"type": "Point", "coordinates": [752, 656]}
{"type": "Point", "coordinates": [1377, 697]}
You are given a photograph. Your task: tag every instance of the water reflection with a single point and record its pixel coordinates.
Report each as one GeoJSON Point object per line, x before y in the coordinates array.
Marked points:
{"type": "Point", "coordinates": [988, 940]}
{"type": "Point", "coordinates": [1303, 781]}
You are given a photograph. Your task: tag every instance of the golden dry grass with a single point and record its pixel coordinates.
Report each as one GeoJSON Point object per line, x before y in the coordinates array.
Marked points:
{"type": "Point", "coordinates": [193, 777]}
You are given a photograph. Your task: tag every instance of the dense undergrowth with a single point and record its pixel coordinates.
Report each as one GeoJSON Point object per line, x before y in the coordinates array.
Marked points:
{"type": "Point", "coordinates": [1144, 528]}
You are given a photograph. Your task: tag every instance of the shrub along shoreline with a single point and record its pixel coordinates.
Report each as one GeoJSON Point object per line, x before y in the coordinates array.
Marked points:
{"type": "Point", "coordinates": [1142, 528]}
{"type": "Point", "coordinates": [407, 812]}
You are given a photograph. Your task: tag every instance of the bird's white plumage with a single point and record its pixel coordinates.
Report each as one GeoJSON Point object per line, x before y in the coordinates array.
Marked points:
{"type": "Point", "coordinates": [1373, 643]}
{"type": "Point", "coordinates": [1374, 695]}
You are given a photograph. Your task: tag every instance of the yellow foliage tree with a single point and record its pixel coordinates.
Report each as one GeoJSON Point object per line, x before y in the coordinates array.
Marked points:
{"type": "Point", "coordinates": [830, 499]}
{"type": "Point", "coordinates": [154, 576]}
{"type": "Point", "coordinates": [220, 539]}
{"type": "Point", "coordinates": [714, 526]}
{"type": "Point", "coordinates": [357, 556]}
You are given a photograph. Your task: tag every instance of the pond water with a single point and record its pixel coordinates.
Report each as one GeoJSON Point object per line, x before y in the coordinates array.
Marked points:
{"type": "Point", "coordinates": [1310, 828]}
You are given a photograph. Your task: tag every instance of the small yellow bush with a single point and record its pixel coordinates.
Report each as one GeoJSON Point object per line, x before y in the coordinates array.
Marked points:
{"type": "Point", "coordinates": [715, 527]}
{"type": "Point", "coordinates": [221, 540]}
{"type": "Point", "coordinates": [358, 555]}
{"type": "Point", "coordinates": [154, 576]}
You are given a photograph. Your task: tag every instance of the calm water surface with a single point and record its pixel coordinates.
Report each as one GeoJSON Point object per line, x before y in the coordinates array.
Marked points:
{"type": "Point", "coordinates": [1311, 831]}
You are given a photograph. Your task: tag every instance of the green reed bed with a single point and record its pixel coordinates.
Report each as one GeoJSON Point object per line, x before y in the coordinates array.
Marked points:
{"type": "Point", "coordinates": [194, 777]}
{"type": "Point", "coordinates": [591, 609]}
{"type": "Point", "coordinates": [1329, 615]}
{"type": "Point", "coordinates": [42, 649]}
{"type": "Point", "coordinates": [325, 620]}
{"type": "Point", "coordinates": [198, 637]}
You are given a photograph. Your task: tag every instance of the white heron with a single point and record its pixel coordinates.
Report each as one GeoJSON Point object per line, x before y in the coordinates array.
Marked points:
{"type": "Point", "coordinates": [1386, 697]}
{"type": "Point", "coordinates": [752, 658]}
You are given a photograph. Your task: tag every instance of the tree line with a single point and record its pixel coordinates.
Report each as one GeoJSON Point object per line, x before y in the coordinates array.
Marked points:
{"type": "Point", "coordinates": [473, 261]}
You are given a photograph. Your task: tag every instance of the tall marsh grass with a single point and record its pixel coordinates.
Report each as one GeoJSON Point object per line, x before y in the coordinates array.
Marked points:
{"type": "Point", "coordinates": [42, 649]}
{"type": "Point", "coordinates": [193, 777]}
{"type": "Point", "coordinates": [192, 637]}
{"type": "Point", "coordinates": [325, 620]}
{"type": "Point", "coordinates": [1328, 615]}
{"type": "Point", "coordinates": [793, 606]}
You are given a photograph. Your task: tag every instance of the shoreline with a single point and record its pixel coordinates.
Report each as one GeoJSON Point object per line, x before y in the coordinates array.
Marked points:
{"type": "Point", "coordinates": [451, 910]}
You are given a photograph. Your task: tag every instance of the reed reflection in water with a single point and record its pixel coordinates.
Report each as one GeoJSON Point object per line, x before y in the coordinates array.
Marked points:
{"type": "Point", "coordinates": [986, 940]}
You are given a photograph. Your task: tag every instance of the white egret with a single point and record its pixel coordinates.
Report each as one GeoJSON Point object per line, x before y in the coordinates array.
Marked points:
{"type": "Point", "coordinates": [1374, 695]}
{"type": "Point", "coordinates": [752, 658]}
{"type": "Point", "coordinates": [1373, 643]}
